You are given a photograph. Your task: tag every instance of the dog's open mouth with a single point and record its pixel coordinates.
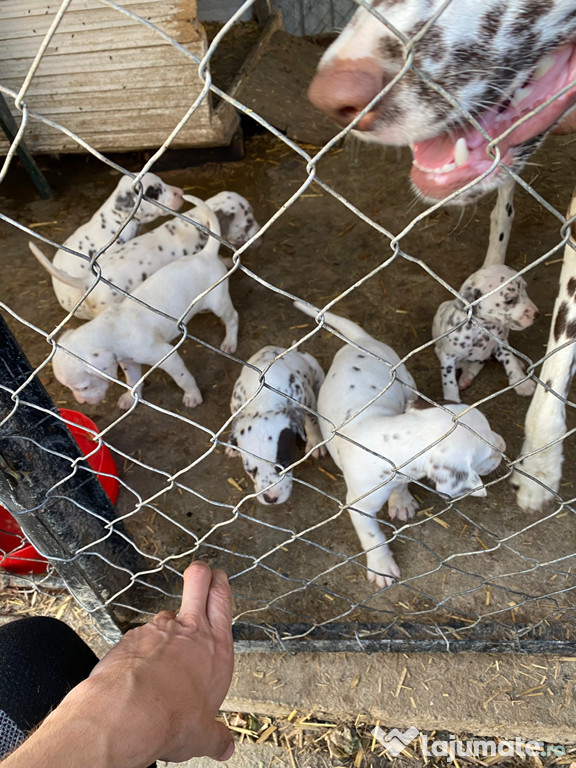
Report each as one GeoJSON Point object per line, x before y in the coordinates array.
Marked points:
{"type": "Point", "coordinates": [446, 163]}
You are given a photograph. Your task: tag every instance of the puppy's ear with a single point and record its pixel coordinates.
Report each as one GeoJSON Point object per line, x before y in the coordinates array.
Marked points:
{"type": "Point", "coordinates": [103, 359]}
{"type": "Point", "coordinates": [153, 191]}
{"type": "Point", "coordinates": [297, 423]}
{"type": "Point", "coordinates": [286, 447]}
{"type": "Point", "coordinates": [124, 201]}
{"type": "Point", "coordinates": [456, 481]}
{"type": "Point", "coordinates": [470, 293]}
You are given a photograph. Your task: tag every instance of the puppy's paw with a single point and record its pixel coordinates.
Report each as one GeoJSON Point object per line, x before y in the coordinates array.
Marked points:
{"type": "Point", "coordinates": [464, 382]}
{"type": "Point", "coordinates": [317, 450]}
{"type": "Point", "coordinates": [192, 399]}
{"type": "Point", "coordinates": [125, 401]}
{"type": "Point", "coordinates": [402, 505]}
{"type": "Point", "coordinates": [383, 571]}
{"type": "Point", "coordinates": [229, 346]}
{"type": "Point", "coordinates": [526, 388]}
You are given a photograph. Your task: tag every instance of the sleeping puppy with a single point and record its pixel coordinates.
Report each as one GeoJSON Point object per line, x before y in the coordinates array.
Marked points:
{"type": "Point", "coordinates": [266, 400]}
{"type": "Point", "coordinates": [101, 229]}
{"type": "Point", "coordinates": [381, 442]}
{"type": "Point", "coordinates": [131, 333]}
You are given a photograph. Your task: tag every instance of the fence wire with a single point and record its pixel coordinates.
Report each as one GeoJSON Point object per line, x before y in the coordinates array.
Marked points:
{"type": "Point", "coordinates": [474, 572]}
{"type": "Point", "coordinates": [315, 18]}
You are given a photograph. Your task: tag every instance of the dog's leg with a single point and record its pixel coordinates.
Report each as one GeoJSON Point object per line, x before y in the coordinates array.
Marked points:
{"type": "Point", "coordinates": [382, 568]}
{"type": "Point", "coordinates": [313, 436]}
{"type": "Point", "coordinates": [501, 220]}
{"type": "Point", "coordinates": [515, 372]}
{"type": "Point", "coordinates": [401, 504]}
{"type": "Point", "coordinates": [469, 372]}
{"type": "Point", "coordinates": [175, 368]}
{"type": "Point", "coordinates": [449, 383]}
{"type": "Point", "coordinates": [545, 424]}
{"type": "Point", "coordinates": [224, 310]}
{"type": "Point", "coordinates": [133, 374]}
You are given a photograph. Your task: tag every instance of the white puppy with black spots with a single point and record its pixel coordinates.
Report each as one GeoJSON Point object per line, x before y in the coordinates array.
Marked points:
{"type": "Point", "coordinates": [100, 230]}
{"type": "Point", "coordinates": [138, 330]}
{"type": "Point", "coordinates": [381, 441]}
{"type": "Point", "coordinates": [125, 266]}
{"type": "Point", "coordinates": [500, 304]}
{"type": "Point", "coordinates": [274, 400]}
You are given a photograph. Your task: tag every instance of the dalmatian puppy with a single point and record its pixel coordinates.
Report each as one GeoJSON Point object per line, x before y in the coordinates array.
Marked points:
{"type": "Point", "coordinates": [500, 304]}
{"type": "Point", "coordinates": [381, 441]}
{"type": "Point", "coordinates": [133, 332]}
{"type": "Point", "coordinates": [126, 266]}
{"type": "Point", "coordinates": [267, 399]}
{"type": "Point", "coordinates": [100, 230]}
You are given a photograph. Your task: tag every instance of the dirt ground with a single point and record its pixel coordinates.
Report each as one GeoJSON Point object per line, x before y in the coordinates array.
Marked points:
{"type": "Point", "coordinates": [481, 563]}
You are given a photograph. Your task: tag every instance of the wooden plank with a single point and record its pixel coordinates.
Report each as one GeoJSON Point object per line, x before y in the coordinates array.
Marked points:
{"type": "Point", "coordinates": [130, 65]}
{"type": "Point", "coordinates": [107, 77]}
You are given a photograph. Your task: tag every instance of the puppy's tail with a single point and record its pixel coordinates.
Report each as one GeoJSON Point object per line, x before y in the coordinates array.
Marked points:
{"type": "Point", "coordinates": [204, 215]}
{"type": "Point", "coordinates": [346, 327]}
{"type": "Point", "coordinates": [57, 274]}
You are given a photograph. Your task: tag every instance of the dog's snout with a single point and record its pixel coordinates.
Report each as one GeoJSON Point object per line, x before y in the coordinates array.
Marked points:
{"type": "Point", "coordinates": [269, 498]}
{"type": "Point", "coordinates": [344, 88]}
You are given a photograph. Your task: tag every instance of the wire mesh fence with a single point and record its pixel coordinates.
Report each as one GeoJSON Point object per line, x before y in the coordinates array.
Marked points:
{"type": "Point", "coordinates": [339, 231]}
{"type": "Point", "coordinates": [314, 18]}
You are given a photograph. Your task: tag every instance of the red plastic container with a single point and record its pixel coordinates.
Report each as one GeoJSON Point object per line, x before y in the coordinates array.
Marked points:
{"type": "Point", "coordinates": [21, 556]}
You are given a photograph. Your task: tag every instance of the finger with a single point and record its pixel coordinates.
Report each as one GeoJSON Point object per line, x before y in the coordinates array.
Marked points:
{"type": "Point", "coordinates": [219, 603]}
{"type": "Point", "coordinates": [222, 743]}
{"type": "Point", "coordinates": [163, 618]}
{"type": "Point", "coordinates": [197, 580]}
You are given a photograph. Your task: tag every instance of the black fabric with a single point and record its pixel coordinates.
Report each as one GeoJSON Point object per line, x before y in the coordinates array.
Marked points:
{"type": "Point", "coordinates": [41, 659]}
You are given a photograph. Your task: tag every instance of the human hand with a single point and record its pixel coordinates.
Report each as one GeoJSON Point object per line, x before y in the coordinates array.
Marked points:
{"type": "Point", "coordinates": [173, 673]}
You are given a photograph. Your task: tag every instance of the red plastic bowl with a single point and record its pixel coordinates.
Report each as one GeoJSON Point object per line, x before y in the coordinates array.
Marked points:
{"type": "Point", "coordinates": [21, 557]}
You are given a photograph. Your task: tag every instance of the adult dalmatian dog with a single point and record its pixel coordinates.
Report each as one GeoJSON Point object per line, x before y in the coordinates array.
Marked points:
{"type": "Point", "coordinates": [473, 88]}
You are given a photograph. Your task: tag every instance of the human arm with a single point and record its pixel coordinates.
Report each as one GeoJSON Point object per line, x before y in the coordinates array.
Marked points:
{"type": "Point", "coordinates": [154, 696]}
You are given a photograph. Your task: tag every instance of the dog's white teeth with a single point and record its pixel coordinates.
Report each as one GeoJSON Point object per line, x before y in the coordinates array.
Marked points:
{"type": "Point", "coordinates": [461, 153]}
{"type": "Point", "coordinates": [519, 95]}
{"type": "Point", "coordinates": [545, 65]}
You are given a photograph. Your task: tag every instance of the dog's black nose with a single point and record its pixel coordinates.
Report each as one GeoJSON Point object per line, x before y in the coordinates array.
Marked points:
{"type": "Point", "coordinates": [269, 498]}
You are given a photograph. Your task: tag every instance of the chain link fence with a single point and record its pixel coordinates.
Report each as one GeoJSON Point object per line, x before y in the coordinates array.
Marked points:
{"type": "Point", "coordinates": [343, 234]}
{"type": "Point", "coordinates": [306, 17]}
